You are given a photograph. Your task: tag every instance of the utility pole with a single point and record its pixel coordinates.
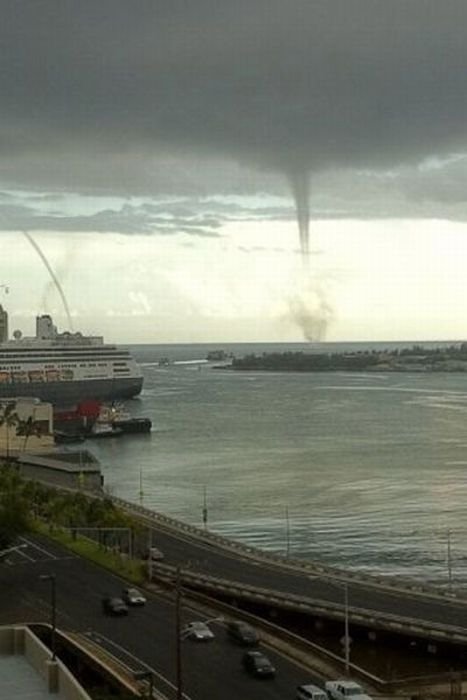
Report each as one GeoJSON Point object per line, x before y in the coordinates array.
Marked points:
{"type": "Point", "coordinates": [205, 510]}
{"type": "Point", "coordinates": [141, 492]}
{"type": "Point", "coordinates": [178, 634]}
{"type": "Point", "coordinates": [346, 628]}
{"type": "Point", "coordinates": [150, 553]}
{"type": "Point", "coordinates": [449, 560]}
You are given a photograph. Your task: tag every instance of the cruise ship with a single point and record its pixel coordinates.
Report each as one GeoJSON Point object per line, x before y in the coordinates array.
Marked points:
{"type": "Point", "coordinates": [64, 368]}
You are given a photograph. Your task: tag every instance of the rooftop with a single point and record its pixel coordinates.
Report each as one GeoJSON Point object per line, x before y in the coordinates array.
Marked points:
{"type": "Point", "coordinates": [19, 680]}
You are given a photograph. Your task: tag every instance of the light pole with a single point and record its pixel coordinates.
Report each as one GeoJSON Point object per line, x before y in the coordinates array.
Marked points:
{"type": "Point", "coordinates": [141, 492]}
{"type": "Point", "coordinates": [178, 634]}
{"type": "Point", "coordinates": [449, 560]}
{"type": "Point", "coordinates": [52, 579]}
{"type": "Point", "coordinates": [346, 628]}
{"type": "Point", "coordinates": [205, 510]}
{"type": "Point", "coordinates": [345, 640]}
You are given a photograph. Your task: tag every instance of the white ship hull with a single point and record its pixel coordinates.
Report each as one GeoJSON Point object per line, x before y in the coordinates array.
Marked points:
{"type": "Point", "coordinates": [66, 368]}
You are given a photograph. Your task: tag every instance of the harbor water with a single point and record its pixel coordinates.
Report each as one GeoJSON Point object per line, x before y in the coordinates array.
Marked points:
{"type": "Point", "coordinates": [359, 470]}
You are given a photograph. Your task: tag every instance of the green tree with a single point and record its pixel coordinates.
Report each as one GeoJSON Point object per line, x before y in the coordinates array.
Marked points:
{"type": "Point", "coordinates": [14, 508]}
{"type": "Point", "coordinates": [8, 418]}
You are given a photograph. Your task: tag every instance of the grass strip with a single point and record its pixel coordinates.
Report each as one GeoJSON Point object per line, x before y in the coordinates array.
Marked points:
{"type": "Point", "coordinates": [131, 570]}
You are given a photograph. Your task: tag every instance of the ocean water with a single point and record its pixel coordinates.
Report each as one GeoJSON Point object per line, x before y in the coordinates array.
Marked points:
{"type": "Point", "coordinates": [365, 471]}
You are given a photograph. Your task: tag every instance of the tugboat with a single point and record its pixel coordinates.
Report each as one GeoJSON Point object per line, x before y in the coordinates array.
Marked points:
{"type": "Point", "coordinates": [104, 430]}
{"type": "Point", "coordinates": [121, 420]}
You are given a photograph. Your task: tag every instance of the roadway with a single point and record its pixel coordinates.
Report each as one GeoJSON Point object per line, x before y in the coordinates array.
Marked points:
{"type": "Point", "coordinates": [146, 636]}
{"type": "Point", "coordinates": [203, 557]}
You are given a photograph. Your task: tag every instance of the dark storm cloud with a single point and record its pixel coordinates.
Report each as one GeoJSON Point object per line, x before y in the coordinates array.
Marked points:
{"type": "Point", "coordinates": [97, 95]}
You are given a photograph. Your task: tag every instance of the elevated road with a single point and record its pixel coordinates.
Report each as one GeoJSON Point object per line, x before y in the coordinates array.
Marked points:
{"type": "Point", "coordinates": [213, 563]}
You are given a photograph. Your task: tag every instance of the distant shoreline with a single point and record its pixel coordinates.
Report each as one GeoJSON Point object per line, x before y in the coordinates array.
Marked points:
{"type": "Point", "coordinates": [414, 359]}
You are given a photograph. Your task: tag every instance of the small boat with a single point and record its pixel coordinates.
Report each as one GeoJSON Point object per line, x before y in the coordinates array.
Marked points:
{"type": "Point", "coordinates": [104, 430]}
{"type": "Point", "coordinates": [217, 356]}
{"type": "Point", "coordinates": [119, 419]}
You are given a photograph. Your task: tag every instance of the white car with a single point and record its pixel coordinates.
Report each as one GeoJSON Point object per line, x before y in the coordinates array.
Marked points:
{"type": "Point", "coordinates": [310, 692]}
{"type": "Point", "coordinates": [132, 596]}
{"type": "Point", "coordinates": [155, 554]}
{"type": "Point", "coordinates": [198, 631]}
{"type": "Point", "coordinates": [343, 690]}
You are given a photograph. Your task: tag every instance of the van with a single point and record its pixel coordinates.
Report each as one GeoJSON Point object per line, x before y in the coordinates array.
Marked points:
{"type": "Point", "coordinates": [310, 692]}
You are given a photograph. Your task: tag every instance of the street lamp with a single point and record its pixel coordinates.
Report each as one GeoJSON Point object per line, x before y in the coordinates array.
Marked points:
{"type": "Point", "coordinates": [205, 510]}
{"type": "Point", "coordinates": [346, 628]}
{"type": "Point", "coordinates": [449, 561]}
{"type": "Point", "coordinates": [51, 578]}
{"type": "Point", "coordinates": [287, 532]}
{"type": "Point", "coordinates": [345, 641]}
{"type": "Point", "coordinates": [145, 676]}
{"type": "Point", "coordinates": [141, 492]}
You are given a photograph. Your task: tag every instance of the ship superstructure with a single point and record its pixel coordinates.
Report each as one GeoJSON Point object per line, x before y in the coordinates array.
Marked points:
{"type": "Point", "coordinates": [64, 368]}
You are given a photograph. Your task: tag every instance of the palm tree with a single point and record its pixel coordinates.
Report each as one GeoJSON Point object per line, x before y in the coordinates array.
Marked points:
{"type": "Point", "coordinates": [28, 427]}
{"type": "Point", "coordinates": [8, 418]}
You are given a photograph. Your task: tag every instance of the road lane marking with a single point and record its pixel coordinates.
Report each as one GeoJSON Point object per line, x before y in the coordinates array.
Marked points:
{"type": "Point", "coordinates": [40, 549]}
{"type": "Point", "coordinates": [26, 556]}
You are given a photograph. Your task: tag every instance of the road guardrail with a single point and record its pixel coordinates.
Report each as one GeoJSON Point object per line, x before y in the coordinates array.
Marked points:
{"type": "Point", "coordinates": [387, 583]}
{"type": "Point", "coordinates": [291, 601]}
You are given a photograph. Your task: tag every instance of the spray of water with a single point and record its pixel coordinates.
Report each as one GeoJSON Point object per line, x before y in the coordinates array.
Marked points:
{"type": "Point", "coordinates": [311, 312]}
{"type": "Point", "coordinates": [53, 276]}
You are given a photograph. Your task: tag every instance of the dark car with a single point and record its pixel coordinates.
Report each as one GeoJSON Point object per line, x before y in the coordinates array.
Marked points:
{"type": "Point", "coordinates": [114, 606]}
{"type": "Point", "coordinates": [242, 633]}
{"type": "Point", "coordinates": [257, 664]}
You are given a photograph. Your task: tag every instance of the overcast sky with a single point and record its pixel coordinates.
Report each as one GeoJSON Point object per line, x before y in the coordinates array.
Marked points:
{"type": "Point", "coordinates": [152, 149]}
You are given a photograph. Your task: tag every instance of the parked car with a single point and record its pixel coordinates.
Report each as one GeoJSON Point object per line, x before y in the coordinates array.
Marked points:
{"type": "Point", "coordinates": [342, 690]}
{"type": "Point", "coordinates": [199, 631]}
{"type": "Point", "coordinates": [310, 692]}
{"type": "Point", "coordinates": [131, 596]}
{"type": "Point", "coordinates": [242, 633]}
{"type": "Point", "coordinates": [114, 606]}
{"type": "Point", "coordinates": [257, 664]}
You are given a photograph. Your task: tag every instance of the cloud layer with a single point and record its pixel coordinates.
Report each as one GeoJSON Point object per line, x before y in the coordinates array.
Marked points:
{"type": "Point", "coordinates": [104, 96]}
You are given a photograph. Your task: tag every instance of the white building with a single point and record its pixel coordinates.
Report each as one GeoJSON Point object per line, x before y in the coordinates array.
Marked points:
{"type": "Point", "coordinates": [26, 425]}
